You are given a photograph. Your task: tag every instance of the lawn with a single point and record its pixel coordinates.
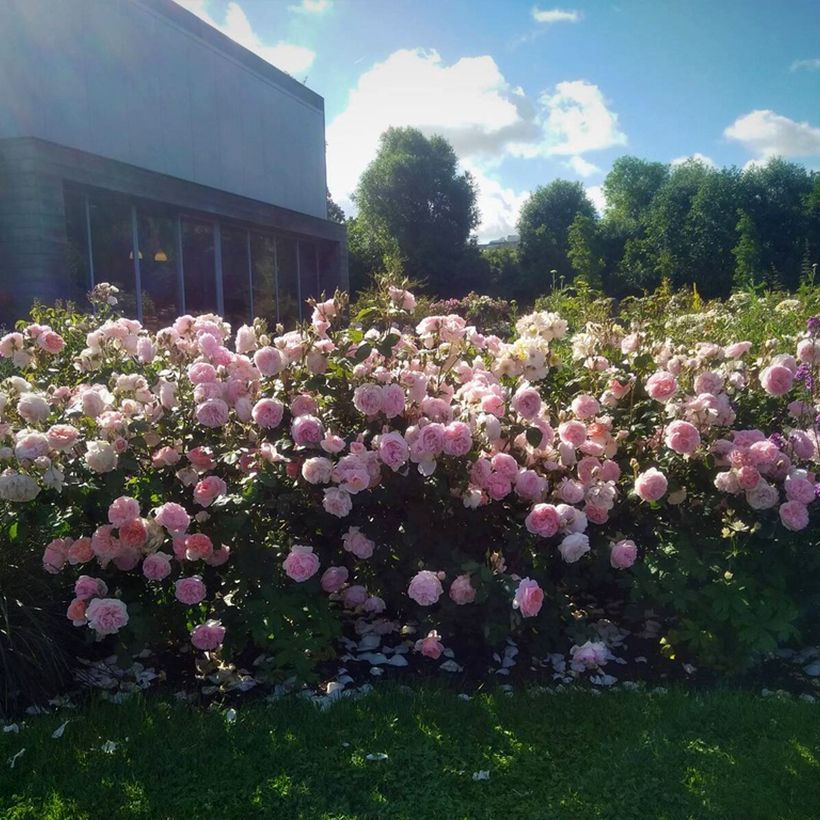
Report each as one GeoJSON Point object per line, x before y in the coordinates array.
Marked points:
{"type": "Point", "coordinates": [618, 755]}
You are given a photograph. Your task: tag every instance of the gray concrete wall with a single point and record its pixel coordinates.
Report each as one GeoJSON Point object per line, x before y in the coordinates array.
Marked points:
{"type": "Point", "coordinates": [146, 83]}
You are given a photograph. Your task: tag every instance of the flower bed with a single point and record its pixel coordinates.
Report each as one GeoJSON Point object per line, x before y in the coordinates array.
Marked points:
{"type": "Point", "coordinates": [242, 491]}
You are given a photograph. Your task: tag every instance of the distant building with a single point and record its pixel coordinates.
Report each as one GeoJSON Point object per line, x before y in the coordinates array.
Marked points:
{"type": "Point", "coordinates": [510, 241]}
{"type": "Point", "coordinates": [142, 147]}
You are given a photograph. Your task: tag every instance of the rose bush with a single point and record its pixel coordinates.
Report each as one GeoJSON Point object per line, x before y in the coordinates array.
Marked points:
{"type": "Point", "coordinates": [246, 491]}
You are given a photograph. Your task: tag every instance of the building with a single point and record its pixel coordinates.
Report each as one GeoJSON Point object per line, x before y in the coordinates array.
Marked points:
{"type": "Point", "coordinates": [142, 147]}
{"type": "Point", "coordinates": [510, 241]}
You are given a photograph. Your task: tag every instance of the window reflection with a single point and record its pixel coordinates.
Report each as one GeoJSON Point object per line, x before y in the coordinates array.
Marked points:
{"type": "Point", "coordinates": [289, 304]}
{"type": "Point", "coordinates": [263, 256]}
{"type": "Point", "coordinates": [198, 265]}
{"type": "Point", "coordinates": [76, 248]}
{"type": "Point", "coordinates": [236, 290]}
{"type": "Point", "coordinates": [308, 272]}
{"type": "Point", "coordinates": [158, 270]}
{"type": "Point", "coordinates": [113, 248]}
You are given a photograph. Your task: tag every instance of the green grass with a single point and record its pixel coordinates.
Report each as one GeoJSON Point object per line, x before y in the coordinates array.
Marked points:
{"type": "Point", "coordinates": [619, 755]}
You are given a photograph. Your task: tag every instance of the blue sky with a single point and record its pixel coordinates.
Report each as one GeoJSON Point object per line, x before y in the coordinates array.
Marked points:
{"type": "Point", "coordinates": [530, 92]}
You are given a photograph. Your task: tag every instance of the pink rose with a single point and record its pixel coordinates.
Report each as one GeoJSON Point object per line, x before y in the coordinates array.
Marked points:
{"type": "Point", "coordinates": [573, 433]}
{"type": "Point", "coordinates": [425, 588]}
{"type": "Point", "coordinates": [622, 554]}
{"type": "Point", "coordinates": [334, 578]}
{"type": "Point", "coordinates": [173, 517]}
{"type": "Point", "coordinates": [355, 541]}
{"type": "Point", "coordinates": [212, 413]}
{"type": "Point", "coordinates": [777, 379]}
{"type": "Point", "coordinates": [31, 445]}
{"type": "Point", "coordinates": [190, 590]}
{"type": "Point", "coordinates": [573, 547]}
{"type": "Point", "coordinates": [302, 405]}
{"type": "Point", "coordinates": [682, 437]}
{"type": "Point", "coordinates": [208, 490]}
{"type": "Point", "coordinates": [55, 555]}
{"type": "Point", "coordinates": [208, 636]}
{"type": "Point", "coordinates": [393, 450]}
{"type": "Point", "coordinates": [62, 437]}
{"type": "Point", "coordinates": [529, 598]}
{"type": "Point", "coordinates": [105, 546]}
{"type": "Point", "coordinates": [301, 563]}
{"type": "Point", "coordinates": [76, 612]}
{"type": "Point", "coordinates": [585, 407]}
{"type": "Point", "coordinates": [458, 439]}
{"type": "Point", "coordinates": [661, 386]}
{"type": "Point", "coordinates": [80, 551]}
{"type": "Point", "coordinates": [86, 587]}
{"type": "Point", "coordinates": [50, 341]}
{"type": "Point", "coordinates": [737, 349]}
{"type": "Point", "coordinates": [651, 485]}
{"type": "Point", "coordinates": [498, 486]}
{"type": "Point", "coordinates": [201, 372]}
{"type": "Point", "coordinates": [106, 615]}
{"type": "Point", "coordinates": [123, 510]}
{"type": "Point", "coordinates": [198, 547]}
{"type": "Point", "coordinates": [201, 459]}
{"type": "Point", "coordinates": [307, 430]}
{"type": "Point", "coordinates": [529, 485]}
{"type": "Point", "coordinates": [462, 591]}
{"type": "Point", "coordinates": [543, 520]}
{"type": "Point", "coordinates": [355, 596]}
{"type": "Point", "coordinates": [590, 656]}
{"type": "Point", "coordinates": [431, 646]}
{"type": "Point", "coordinates": [317, 470]}
{"type": "Point", "coordinates": [367, 399]}
{"type": "Point", "coordinates": [156, 566]}
{"type": "Point", "coordinates": [268, 413]}
{"type": "Point", "coordinates": [526, 402]}
{"type": "Point", "coordinates": [799, 488]}
{"type": "Point", "coordinates": [794, 515]}
{"type": "Point", "coordinates": [268, 361]}
{"type": "Point", "coordinates": [393, 400]}
{"type": "Point", "coordinates": [337, 502]}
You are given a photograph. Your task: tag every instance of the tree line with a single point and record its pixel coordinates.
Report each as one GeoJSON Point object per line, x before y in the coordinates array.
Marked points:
{"type": "Point", "coordinates": [690, 223]}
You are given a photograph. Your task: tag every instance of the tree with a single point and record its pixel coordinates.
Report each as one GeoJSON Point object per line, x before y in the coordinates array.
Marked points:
{"type": "Point", "coordinates": [543, 227]}
{"type": "Point", "coordinates": [334, 211]}
{"type": "Point", "coordinates": [630, 187]}
{"type": "Point", "coordinates": [747, 251]}
{"type": "Point", "coordinates": [416, 206]}
{"type": "Point", "coordinates": [585, 252]}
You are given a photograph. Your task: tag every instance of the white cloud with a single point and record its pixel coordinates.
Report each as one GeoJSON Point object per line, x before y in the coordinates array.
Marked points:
{"type": "Point", "coordinates": [766, 134]}
{"type": "Point", "coordinates": [696, 157]}
{"type": "Point", "coordinates": [312, 7]}
{"type": "Point", "coordinates": [597, 197]}
{"type": "Point", "coordinates": [582, 167]}
{"type": "Point", "coordinates": [806, 65]}
{"type": "Point", "coordinates": [286, 56]}
{"type": "Point", "coordinates": [486, 120]}
{"type": "Point", "coordinates": [550, 16]}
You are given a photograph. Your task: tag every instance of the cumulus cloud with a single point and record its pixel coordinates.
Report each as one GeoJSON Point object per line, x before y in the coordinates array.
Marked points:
{"type": "Point", "coordinates": [500, 206]}
{"type": "Point", "coordinates": [582, 167]}
{"type": "Point", "coordinates": [485, 118]}
{"type": "Point", "coordinates": [597, 197]}
{"type": "Point", "coordinates": [696, 157]}
{"type": "Point", "coordinates": [766, 134]}
{"type": "Point", "coordinates": [293, 59]}
{"type": "Point", "coordinates": [550, 16]}
{"type": "Point", "coordinates": [812, 64]}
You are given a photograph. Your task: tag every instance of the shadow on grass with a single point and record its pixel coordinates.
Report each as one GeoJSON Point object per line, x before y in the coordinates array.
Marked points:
{"type": "Point", "coordinates": [616, 755]}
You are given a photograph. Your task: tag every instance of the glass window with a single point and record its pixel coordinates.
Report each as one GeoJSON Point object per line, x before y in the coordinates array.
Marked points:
{"type": "Point", "coordinates": [113, 248]}
{"type": "Point", "coordinates": [308, 273]}
{"type": "Point", "coordinates": [76, 248]}
{"type": "Point", "coordinates": [198, 266]}
{"type": "Point", "coordinates": [236, 285]}
{"type": "Point", "coordinates": [158, 269]}
{"type": "Point", "coordinates": [263, 254]}
{"type": "Point", "coordinates": [288, 270]}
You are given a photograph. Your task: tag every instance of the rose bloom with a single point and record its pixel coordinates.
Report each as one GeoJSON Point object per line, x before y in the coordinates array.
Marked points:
{"type": "Point", "coordinates": [337, 502]}
{"type": "Point", "coordinates": [585, 407]}
{"type": "Point", "coordinates": [100, 456]}
{"type": "Point", "coordinates": [198, 546]}
{"type": "Point", "coordinates": [543, 520]}
{"type": "Point", "coordinates": [748, 477]}
{"type": "Point", "coordinates": [208, 636]}
{"type": "Point", "coordinates": [461, 590]}
{"type": "Point", "coordinates": [794, 515]}
{"type": "Point", "coordinates": [201, 372]}
{"type": "Point", "coordinates": [661, 386]}
{"type": "Point", "coordinates": [31, 445]}
{"type": "Point", "coordinates": [133, 534]}
{"type": "Point", "coordinates": [33, 407]}
{"type": "Point", "coordinates": [529, 598]}
{"type": "Point", "coordinates": [498, 486]}
{"type": "Point", "coordinates": [76, 612]}
{"type": "Point", "coordinates": [571, 491]}
{"type": "Point", "coordinates": [317, 470]}
{"type": "Point", "coordinates": [106, 616]}
{"type": "Point", "coordinates": [212, 413]}
{"type": "Point", "coordinates": [80, 551]}
{"type": "Point", "coordinates": [526, 402]}
{"type": "Point", "coordinates": [651, 485]}
{"type": "Point", "coordinates": [393, 450]}
{"type": "Point", "coordinates": [682, 437]}
{"type": "Point", "coordinates": [268, 361]}
{"type": "Point", "coordinates": [190, 591]}
{"type": "Point", "coordinates": [355, 541]}
{"type": "Point", "coordinates": [201, 459]}
{"type": "Point", "coordinates": [334, 578]}
{"type": "Point", "coordinates": [763, 496]}
{"type": "Point", "coordinates": [573, 547]}
{"type": "Point", "coordinates": [777, 380]}
{"type": "Point", "coordinates": [332, 443]}
{"type": "Point", "coordinates": [529, 485]}
{"type": "Point", "coordinates": [367, 399]}
{"type": "Point", "coordinates": [431, 646]}
{"type": "Point", "coordinates": [591, 655]}
{"type": "Point", "coordinates": [268, 413]}
{"type": "Point", "coordinates": [218, 557]}
{"type": "Point", "coordinates": [458, 439]}
{"type": "Point", "coordinates": [123, 510]}
{"type": "Point", "coordinates": [737, 349]}
{"type": "Point", "coordinates": [573, 433]}
{"type": "Point", "coordinates": [165, 457]}
{"type": "Point", "coordinates": [302, 405]}
{"type": "Point", "coordinates": [393, 400]}
{"type": "Point", "coordinates": [86, 587]}
{"type": "Point", "coordinates": [307, 430]}
{"type": "Point", "coordinates": [62, 437]}
{"type": "Point", "coordinates": [208, 490]}
{"type": "Point", "coordinates": [50, 341]}
{"type": "Point", "coordinates": [301, 563]}
{"type": "Point", "coordinates": [622, 554]}
{"type": "Point", "coordinates": [799, 488]}
{"type": "Point", "coordinates": [156, 566]}
{"type": "Point", "coordinates": [354, 596]}
{"type": "Point", "coordinates": [173, 517]}
{"type": "Point", "coordinates": [425, 588]}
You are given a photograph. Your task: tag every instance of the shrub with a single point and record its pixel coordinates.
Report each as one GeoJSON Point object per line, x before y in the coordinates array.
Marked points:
{"type": "Point", "coordinates": [243, 490]}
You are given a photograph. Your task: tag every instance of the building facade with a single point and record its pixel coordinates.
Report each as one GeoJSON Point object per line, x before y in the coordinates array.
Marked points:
{"type": "Point", "coordinates": [142, 147]}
